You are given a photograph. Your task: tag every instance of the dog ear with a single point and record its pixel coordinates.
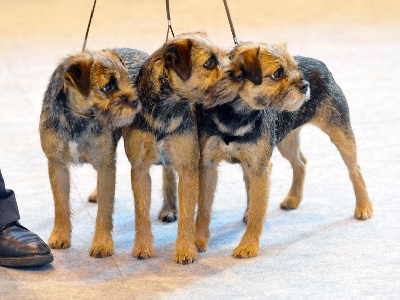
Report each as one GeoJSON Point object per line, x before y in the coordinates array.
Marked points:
{"type": "Point", "coordinates": [249, 63]}
{"type": "Point", "coordinates": [178, 56]}
{"type": "Point", "coordinates": [78, 75]}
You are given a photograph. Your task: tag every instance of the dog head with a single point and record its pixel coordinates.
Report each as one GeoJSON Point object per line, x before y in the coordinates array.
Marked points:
{"type": "Point", "coordinates": [261, 75]}
{"type": "Point", "coordinates": [98, 86]}
{"type": "Point", "coordinates": [269, 76]}
{"type": "Point", "coordinates": [193, 66]}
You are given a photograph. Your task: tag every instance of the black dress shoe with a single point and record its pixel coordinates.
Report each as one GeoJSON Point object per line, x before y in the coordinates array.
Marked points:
{"type": "Point", "coordinates": [20, 247]}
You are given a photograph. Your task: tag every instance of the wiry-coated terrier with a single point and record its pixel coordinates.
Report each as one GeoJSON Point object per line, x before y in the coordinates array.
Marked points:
{"type": "Point", "coordinates": [328, 110]}
{"type": "Point", "coordinates": [241, 131]}
{"type": "Point", "coordinates": [89, 98]}
{"type": "Point", "coordinates": [175, 77]}
{"type": "Point", "coordinates": [245, 131]}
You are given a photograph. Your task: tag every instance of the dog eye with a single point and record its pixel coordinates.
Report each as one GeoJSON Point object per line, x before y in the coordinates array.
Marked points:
{"type": "Point", "coordinates": [278, 74]}
{"type": "Point", "coordinates": [110, 86]}
{"type": "Point", "coordinates": [210, 63]}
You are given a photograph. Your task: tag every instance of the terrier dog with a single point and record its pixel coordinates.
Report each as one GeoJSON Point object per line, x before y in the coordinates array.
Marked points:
{"type": "Point", "coordinates": [245, 131]}
{"type": "Point", "coordinates": [89, 98]}
{"type": "Point", "coordinates": [326, 109]}
{"type": "Point", "coordinates": [175, 77]}
{"type": "Point", "coordinates": [242, 131]}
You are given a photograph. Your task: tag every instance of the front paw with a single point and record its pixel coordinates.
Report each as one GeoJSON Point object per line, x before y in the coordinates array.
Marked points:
{"type": "Point", "coordinates": [59, 241]}
{"type": "Point", "coordinates": [245, 217]}
{"type": "Point", "coordinates": [246, 251]}
{"type": "Point", "coordinates": [143, 251]}
{"type": "Point", "coordinates": [185, 254]}
{"type": "Point", "coordinates": [103, 249]}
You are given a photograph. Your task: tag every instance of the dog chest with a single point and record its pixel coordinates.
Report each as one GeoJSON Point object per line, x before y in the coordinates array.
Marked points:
{"type": "Point", "coordinates": [163, 155]}
{"type": "Point", "coordinates": [216, 148]}
{"type": "Point", "coordinates": [74, 152]}
{"type": "Point", "coordinates": [93, 151]}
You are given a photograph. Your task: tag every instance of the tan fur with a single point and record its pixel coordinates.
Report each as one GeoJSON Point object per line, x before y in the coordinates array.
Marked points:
{"type": "Point", "coordinates": [185, 65]}
{"type": "Point", "coordinates": [79, 81]}
{"type": "Point", "coordinates": [281, 94]}
{"type": "Point", "coordinates": [331, 116]}
{"type": "Point", "coordinates": [256, 63]}
{"type": "Point", "coordinates": [254, 160]}
{"type": "Point", "coordinates": [345, 143]}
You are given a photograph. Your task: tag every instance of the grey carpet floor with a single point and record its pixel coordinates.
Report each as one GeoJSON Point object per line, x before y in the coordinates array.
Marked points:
{"type": "Point", "coordinates": [317, 251]}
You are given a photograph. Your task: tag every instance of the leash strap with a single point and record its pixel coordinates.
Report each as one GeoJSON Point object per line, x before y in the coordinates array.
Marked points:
{"type": "Point", "coordinates": [87, 30]}
{"type": "Point", "coordinates": [230, 22]}
{"type": "Point", "coordinates": [169, 21]}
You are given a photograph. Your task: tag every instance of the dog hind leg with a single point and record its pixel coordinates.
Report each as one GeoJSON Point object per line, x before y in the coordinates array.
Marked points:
{"type": "Point", "coordinates": [343, 138]}
{"type": "Point", "coordinates": [168, 211]}
{"type": "Point", "coordinates": [289, 148]}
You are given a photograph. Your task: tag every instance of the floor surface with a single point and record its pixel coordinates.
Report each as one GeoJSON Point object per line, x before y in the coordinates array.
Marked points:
{"type": "Point", "coordinates": [317, 251]}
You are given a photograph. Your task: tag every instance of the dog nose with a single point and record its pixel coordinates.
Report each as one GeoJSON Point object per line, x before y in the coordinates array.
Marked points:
{"type": "Point", "coordinates": [303, 86]}
{"type": "Point", "coordinates": [135, 104]}
{"type": "Point", "coordinates": [130, 100]}
{"type": "Point", "coordinates": [237, 75]}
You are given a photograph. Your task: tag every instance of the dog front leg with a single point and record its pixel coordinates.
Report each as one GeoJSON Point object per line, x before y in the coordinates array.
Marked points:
{"type": "Point", "coordinates": [259, 183]}
{"type": "Point", "coordinates": [185, 249]}
{"type": "Point", "coordinates": [60, 185]}
{"type": "Point", "coordinates": [141, 186]}
{"type": "Point", "coordinates": [207, 185]}
{"type": "Point", "coordinates": [103, 244]}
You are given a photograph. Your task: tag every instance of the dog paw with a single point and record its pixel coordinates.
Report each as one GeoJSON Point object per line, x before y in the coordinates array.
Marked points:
{"type": "Point", "coordinates": [185, 255]}
{"type": "Point", "coordinates": [363, 212]}
{"type": "Point", "coordinates": [168, 216]}
{"type": "Point", "coordinates": [57, 241]}
{"type": "Point", "coordinates": [201, 244]}
{"type": "Point", "coordinates": [245, 217]}
{"type": "Point", "coordinates": [245, 251]}
{"type": "Point", "coordinates": [93, 196]}
{"type": "Point", "coordinates": [101, 250]}
{"type": "Point", "coordinates": [290, 203]}
{"type": "Point", "coordinates": [143, 251]}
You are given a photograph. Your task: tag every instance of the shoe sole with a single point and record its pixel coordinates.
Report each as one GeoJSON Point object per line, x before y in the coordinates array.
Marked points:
{"type": "Point", "coordinates": [26, 261]}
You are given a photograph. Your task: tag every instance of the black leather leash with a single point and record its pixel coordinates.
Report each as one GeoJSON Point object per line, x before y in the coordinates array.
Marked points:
{"type": "Point", "coordinates": [230, 22]}
{"type": "Point", "coordinates": [87, 30]}
{"type": "Point", "coordinates": [169, 21]}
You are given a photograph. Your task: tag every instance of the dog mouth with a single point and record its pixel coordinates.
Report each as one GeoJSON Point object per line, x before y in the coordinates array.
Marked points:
{"type": "Point", "coordinates": [123, 112]}
{"type": "Point", "coordinates": [294, 102]}
{"type": "Point", "coordinates": [222, 92]}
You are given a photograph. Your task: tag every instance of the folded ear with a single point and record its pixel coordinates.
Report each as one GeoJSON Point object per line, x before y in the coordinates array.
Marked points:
{"type": "Point", "coordinates": [178, 57]}
{"type": "Point", "coordinates": [249, 63]}
{"type": "Point", "coordinates": [78, 75]}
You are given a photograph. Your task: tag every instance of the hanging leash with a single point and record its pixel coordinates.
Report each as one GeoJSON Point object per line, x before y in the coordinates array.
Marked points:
{"type": "Point", "coordinates": [87, 30]}
{"type": "Point", "coordinates": [230, 22]}
{"type": "Point", "coordinates": [169, 21]}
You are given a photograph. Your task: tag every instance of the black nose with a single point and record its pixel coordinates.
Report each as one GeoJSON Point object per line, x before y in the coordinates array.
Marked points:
{"type": "Point", "coordinates": [127, 99]}
{"type": "Point", "coordinates": [237, 76]}
{"type": "Point", "coordinates": [135, 104]}
{"type": "Point", "coordinates": [303, 86]}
